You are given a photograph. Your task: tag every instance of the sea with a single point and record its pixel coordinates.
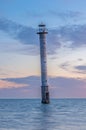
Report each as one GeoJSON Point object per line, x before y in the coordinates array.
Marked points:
{"type": "Point", "coordinates": [31, 114]}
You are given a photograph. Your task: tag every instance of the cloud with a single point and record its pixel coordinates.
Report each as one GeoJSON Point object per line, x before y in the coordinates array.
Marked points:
{"type": "Point", "coordinates": [26, 35]}
{"type": "Point", "coordinates": [80, 59]}
{"type": "Point", "coordinates": [65, 65]}
{"type": "Point", "coordinates": [73, 33]}
{"type": "Point", "coordinates": [30, 88]}
{"type": "Point", "coordinates": [58, 86]}
{"type": "Point", "coordinates": [66, 15]}
{"type": "Point", "coordinates": [72, 36]}
{"type": "Point", "coordinates": [9, 84]}
{"type": "Point", "coordinates": [81, 69]}
{"type": "Point", "coordinates": [22, 33]}
{"type": "Point", "coordinates": [26, 80]}
{"type": "Point", "coordinates": [68, 66]}
{"type": "Point", "coordinates": [69, 84]}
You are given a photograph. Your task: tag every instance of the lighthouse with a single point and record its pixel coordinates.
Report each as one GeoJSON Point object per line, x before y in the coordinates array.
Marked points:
{"type": "Point", "coordinates": [43, 58]}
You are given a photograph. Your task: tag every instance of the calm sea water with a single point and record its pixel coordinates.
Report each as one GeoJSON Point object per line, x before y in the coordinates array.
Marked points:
{"type": "Point", "coordinates": [30, 114]}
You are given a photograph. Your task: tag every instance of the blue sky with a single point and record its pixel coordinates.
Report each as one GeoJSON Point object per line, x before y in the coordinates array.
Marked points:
{"type": "Point", "coordinates": [19, 47]}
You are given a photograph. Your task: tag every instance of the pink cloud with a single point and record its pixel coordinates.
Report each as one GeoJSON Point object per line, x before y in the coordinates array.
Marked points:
{"type": "Point", "coordinates": [8, 84]}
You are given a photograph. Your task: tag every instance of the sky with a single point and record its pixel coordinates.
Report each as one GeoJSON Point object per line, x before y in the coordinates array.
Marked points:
{"type": "Point", "coordinates": [20, 50]}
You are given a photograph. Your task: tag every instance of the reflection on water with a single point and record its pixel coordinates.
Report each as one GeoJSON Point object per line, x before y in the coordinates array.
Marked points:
{"type": "Point", "coordinates": [45, 117]}
{"type": "Point", "coordinates": [60, 114]}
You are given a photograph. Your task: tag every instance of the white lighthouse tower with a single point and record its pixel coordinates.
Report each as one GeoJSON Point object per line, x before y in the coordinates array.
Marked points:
{"type": "Point", "coordinates": [44, 88]}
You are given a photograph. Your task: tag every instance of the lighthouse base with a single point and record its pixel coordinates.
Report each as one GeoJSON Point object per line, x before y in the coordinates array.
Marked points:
{"type": "Point", "coordinates": [45, 95]}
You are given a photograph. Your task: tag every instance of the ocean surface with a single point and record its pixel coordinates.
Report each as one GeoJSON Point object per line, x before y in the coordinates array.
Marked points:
{"type": "Point", "coordinates": [30, 114]}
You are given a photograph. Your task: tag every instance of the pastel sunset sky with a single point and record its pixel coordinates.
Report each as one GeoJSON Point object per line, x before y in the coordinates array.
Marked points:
{"type": "Point", "coordinates": [20, 52]}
